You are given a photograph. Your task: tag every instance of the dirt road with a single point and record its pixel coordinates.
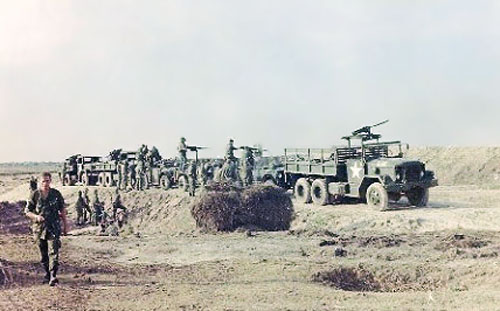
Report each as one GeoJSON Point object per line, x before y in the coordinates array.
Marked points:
{"type": "Point", "coordinates": [443, 257]}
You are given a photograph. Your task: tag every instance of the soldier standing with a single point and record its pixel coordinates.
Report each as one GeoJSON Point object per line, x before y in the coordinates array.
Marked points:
{"type": "Point", "coordinates": [149, 168]}
{"type": "Point", "coordinates": [98, 209]}
{"type": "Point", "coordinates": [87, 212]}
{"type": "Point", "coordinates": [182, 149]}
{"type": "Point", "coordinates": [192, 178]}
{"type": "Point", "coordinates": [247, 166]}
{"type": "Point", "coordinates": [132, 176]}
{"type": "Point", "coordinates": [123, 174]}
{"type": "Point", "coordinates": [79, 207]}
{"type": "Point", "coordinates": [230, 148]}
{"type": "Point", "coordinates": [139, 175]}
{"type": "Point", "coordinates": [46, 209]}
{"type": "Point", "coordinates": [203, 173]}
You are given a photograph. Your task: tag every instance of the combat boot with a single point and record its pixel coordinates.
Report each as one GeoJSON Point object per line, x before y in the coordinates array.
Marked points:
{"type": "Point", "coordinates": [53, 279]}
{"type": "Point", "coordinates": [46, 278]}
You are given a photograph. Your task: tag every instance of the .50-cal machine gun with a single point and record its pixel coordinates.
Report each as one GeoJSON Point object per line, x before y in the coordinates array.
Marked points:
{"type": "Point", "coordinates": [195, 149]}
{"type": "Point", "coordinates": [364, 133]}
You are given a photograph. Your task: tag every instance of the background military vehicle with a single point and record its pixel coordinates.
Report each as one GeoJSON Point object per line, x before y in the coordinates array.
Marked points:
{"type": "Point", "coordinates": [269, 170]}
{"type": "Point", "coordinates": [103, 171]}
{"type": "Point", "coordinates": [366, 171]}
{"type": "Point", "coordinates": [76, 168]}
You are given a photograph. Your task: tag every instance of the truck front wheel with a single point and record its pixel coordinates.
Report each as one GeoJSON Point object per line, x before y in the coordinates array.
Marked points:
{"type": "Point", "coordinates": [302, 191]}
{"type": "Point", "coordinates": [319, 192]}
{"type": "Point", "coordinates": [418, 196]}
{"type": "Point", "coordinates": [377, 197]}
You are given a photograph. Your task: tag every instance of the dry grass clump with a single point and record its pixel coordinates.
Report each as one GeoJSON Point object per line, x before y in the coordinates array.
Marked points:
{"type": "Point", "coordinates": [223, 207]}
{"type": "Point", "coordinates": [350, 279]}
{"type": "Point", "coordinates": [385, 280]}
{"type": "Point", "coordinates": [214, 210]}
{"type": "Point", "coordinates": [267, 207]}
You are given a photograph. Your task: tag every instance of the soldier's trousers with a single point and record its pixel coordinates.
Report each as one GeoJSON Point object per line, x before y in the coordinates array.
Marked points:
{"type": "Point", "coordinates": [49, 251]}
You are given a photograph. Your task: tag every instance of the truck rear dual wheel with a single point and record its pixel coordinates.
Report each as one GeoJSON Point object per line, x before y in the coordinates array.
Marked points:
{"type": "Point", "coordinates": [85, 179]}
{"type": "Point", "coordinates": [319, 192]}
{"type": "Point", "coordinates": [377, 197]}
{"type": "Point", "coordinates": [302, 191]}
{"type": "Point", "coordinates": [108, 180]}
{"type": "Point", "coordinates": [101, 179]}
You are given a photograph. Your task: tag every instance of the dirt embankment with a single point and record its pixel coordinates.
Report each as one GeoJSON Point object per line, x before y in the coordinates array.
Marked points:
{"type": "Point", "coordinates": [461, 165]}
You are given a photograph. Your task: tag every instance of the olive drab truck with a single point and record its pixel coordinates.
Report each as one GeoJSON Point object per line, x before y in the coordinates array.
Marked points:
{"type": "Point", "coordinates": [365, 168]}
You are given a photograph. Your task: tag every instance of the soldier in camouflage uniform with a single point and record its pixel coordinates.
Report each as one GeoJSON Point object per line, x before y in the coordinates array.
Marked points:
{"type": "Point", "coordinates": [123, 174]}
{"type": "Point", "coordinates": [182, 149]}
{"type": "Point", "coordinates": [117, 204]}
{"type": "Point", "coordinates": [132, 176]}
{"type": "Point", "coordinates": [46, 208]}
{"type": "Point", "coordinates": [202, 173]}
{"type": "Point", "coordinates": [191, 174]}
{"type": "Point", "coordinates": [247, 165]}
{"type": "Point", "coordinates": [98, 209]}
{"type": "Point", "coordinates": [79, 207]}
{"type": "Point", "coordinates": [228, 170]}
{"type": "Point", "coordinates": [139, 175]}
{"type": "Point", "coordinates": [87, 212]}
{"type": "Point", "coordinates": [230, 148]}
{"type": "Point", "coordinates": [149, 168]}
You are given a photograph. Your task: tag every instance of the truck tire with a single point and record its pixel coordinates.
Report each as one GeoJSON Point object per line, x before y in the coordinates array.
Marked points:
{"type": "Point", "coordinates": [165, 182]}
{"type": "Point", "coordinates": [183, 183]}
{"type": "Point", "coordinates": [101, 180]}
{"type": "Point", "coordinates": [319, 192]}
{"type": "Point", "coordinates": [85, 179]}
{"type": "Point", "coordinates": [67, 180]}
{"type": "Point", "coordinates": [302, 191]}
{"type": "Point", "coordinates": [418, 196]}
{"type": "Point", "coordinates": [108, 180]}
{"type": "Point", "coordinates": [377, 197]}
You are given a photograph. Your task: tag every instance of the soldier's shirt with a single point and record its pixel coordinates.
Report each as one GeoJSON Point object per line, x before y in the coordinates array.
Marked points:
{"type": "Point", "coordinates": [80, 203]}
{"type": "Point", "coordinates": [49, 208]}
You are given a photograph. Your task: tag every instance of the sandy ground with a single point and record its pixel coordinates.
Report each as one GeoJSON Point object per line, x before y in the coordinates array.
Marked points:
{"type": "Point", "coordinates": [442, 257]}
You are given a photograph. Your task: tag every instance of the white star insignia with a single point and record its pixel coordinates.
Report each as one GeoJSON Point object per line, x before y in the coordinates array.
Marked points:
{"type": "Point", "coordinates": [356, 170]}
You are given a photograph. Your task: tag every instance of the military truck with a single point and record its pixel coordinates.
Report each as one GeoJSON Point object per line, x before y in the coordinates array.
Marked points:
{"type": "Point", "coordinates": [75, 170]}
{"type": "Point", "coordinates": [103, 171]}
{"type": "Point", "coordinates": [270, 171]}
{"type": "Point", "coordinates": [367, 171]}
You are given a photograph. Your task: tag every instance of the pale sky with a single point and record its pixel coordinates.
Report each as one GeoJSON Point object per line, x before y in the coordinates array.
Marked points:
{"type": "Point", "coordinates": [90, 76]}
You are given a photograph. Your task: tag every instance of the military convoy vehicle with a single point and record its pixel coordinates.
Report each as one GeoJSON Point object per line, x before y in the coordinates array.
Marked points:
{"type": "Point", "coordinates": [366, 171]}
{"type": "Point", "coordinates": [98, 171]}
{"type": "Point", "coordinates": [75, 170]}
{"type": "Point", "coordinates": [269, 170]}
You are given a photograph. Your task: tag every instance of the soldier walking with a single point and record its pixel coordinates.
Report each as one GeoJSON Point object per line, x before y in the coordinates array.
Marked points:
{"type": "Point", "coordinates": [46, 208]}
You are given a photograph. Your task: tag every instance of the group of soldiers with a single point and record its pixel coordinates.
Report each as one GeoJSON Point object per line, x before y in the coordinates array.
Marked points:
{"type": "Point", "coordinates": [137, 175]}
{"type": "Point", "coordinates": [231, 169]}
{"type": "Point", "coordinates": [93, 210]}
